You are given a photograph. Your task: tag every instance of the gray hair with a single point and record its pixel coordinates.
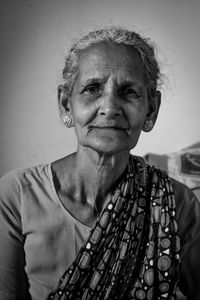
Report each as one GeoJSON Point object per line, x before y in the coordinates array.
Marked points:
{"type": "Point", "coordinates": [114, 35]}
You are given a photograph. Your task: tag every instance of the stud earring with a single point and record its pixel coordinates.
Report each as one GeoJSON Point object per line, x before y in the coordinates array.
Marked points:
{"type": "Point", "coordinates": [148, 125]}
{"type": "Point", "coordinates": [67, 120]}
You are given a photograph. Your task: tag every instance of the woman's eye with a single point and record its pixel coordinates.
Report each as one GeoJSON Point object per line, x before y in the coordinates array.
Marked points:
{"type": "Point", "coordinates": [129, 92]}
{"type": "Point", "coordinates": [92, 89]}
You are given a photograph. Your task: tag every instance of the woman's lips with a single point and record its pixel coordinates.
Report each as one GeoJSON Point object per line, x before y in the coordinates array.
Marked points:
{"type": "Point", "coordinates": [108, 127]}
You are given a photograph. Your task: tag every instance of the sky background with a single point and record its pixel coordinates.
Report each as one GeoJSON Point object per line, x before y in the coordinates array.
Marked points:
{"type": "Point", "coordinates": [34, 37]}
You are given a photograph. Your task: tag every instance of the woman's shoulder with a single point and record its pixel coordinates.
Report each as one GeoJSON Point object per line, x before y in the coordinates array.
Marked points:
{"type": "Point", "coordinates": [15, 181]}
{"type": "Point", "coordinates": [21, 175]}
{"type": "Point", "coordinates": [184, 197]}
{"type": "Point", "coordinates": [187, 204]}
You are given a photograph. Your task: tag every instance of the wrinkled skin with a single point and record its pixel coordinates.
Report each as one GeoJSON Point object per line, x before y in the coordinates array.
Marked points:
{"type": "Point", "coordinates": [109, 102]}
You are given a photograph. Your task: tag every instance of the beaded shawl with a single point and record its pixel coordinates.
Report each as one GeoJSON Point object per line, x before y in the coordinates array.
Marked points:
{"type": "Point", "coordinates": [133, 248]}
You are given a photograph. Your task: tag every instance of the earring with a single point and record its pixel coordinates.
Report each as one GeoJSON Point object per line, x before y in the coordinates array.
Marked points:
{"type": "Point", "coordinates": [67, 120]}
{"type": "Point", "coordinates": [148, 125]}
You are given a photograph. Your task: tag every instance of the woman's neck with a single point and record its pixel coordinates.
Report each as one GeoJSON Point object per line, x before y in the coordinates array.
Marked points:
{"type": "Point", "coordinates": [84, 179]}
{"type": "Point", "coordinates": [96, 174]}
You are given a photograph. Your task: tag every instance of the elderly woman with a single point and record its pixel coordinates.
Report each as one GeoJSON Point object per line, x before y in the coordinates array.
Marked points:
{"type": "Point", "coordinates": [100, 223]}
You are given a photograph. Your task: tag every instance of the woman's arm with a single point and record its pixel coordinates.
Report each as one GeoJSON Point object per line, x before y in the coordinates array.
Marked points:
{"type": "Point", "coordinates": [13, 281]}
{"type": "Point", "coordinates": [188, 215]}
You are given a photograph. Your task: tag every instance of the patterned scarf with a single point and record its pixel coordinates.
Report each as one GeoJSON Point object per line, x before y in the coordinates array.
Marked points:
{"type": "Point", "coordinates": [133, 248]}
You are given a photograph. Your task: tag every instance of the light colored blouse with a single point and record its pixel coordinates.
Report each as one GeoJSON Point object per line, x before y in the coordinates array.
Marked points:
{"type": "Point", "coordinates": [39, 238]}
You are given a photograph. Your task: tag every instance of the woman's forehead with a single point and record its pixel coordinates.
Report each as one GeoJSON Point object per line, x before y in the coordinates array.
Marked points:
{"type": "Point", "coordinates": [106, 58]}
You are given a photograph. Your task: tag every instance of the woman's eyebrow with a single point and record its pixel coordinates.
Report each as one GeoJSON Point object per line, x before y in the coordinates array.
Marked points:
{"type": "Point", "coordinates": [130, 82]}
{"type": "Point", "coordinates": [84, 81]}
{"type": "Point", "coordinates": [91, 80]}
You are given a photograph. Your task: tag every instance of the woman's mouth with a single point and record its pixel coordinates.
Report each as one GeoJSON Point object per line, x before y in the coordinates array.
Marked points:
{"type": "Point", "coordinates": [110, 127]}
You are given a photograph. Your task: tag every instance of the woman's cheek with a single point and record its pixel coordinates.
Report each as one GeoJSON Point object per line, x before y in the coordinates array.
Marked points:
{"type": "Point", "coordinates": [88, 113]}
{"type": "Point", "coordinates": [84, 117]}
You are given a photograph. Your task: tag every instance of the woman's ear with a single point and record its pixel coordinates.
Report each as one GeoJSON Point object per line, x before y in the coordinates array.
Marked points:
{"type": "Point", "coordinates": [64, 107]}
{"type": "Point", "coordinates": [154, 106]}
{"type": "Point", "coordinates": [63, 102]}
{"type": "Point", "coordinates": [152, 113]}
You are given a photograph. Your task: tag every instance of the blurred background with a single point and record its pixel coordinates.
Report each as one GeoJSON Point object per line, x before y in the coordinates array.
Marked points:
{"type": "Point", "coordinates": [34, 36]}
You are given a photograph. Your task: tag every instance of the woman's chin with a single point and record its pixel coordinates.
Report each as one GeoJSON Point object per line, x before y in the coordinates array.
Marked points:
{"type": "Point", "coordinates": [109, 141]}
{"type": "Point", "coordinates": [107, 146]}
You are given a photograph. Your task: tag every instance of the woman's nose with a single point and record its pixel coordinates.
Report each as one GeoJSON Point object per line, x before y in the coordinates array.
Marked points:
{"type": "Point", "coordinates": [110, 105]}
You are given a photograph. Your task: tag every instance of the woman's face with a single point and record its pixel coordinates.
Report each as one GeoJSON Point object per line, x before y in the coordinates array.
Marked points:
{"type": "Point", "coordinates": [109, 102]}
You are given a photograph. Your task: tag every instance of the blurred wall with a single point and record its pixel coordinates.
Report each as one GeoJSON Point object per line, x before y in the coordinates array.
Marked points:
{"type": "Point", "coordinates": [33, 38]}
